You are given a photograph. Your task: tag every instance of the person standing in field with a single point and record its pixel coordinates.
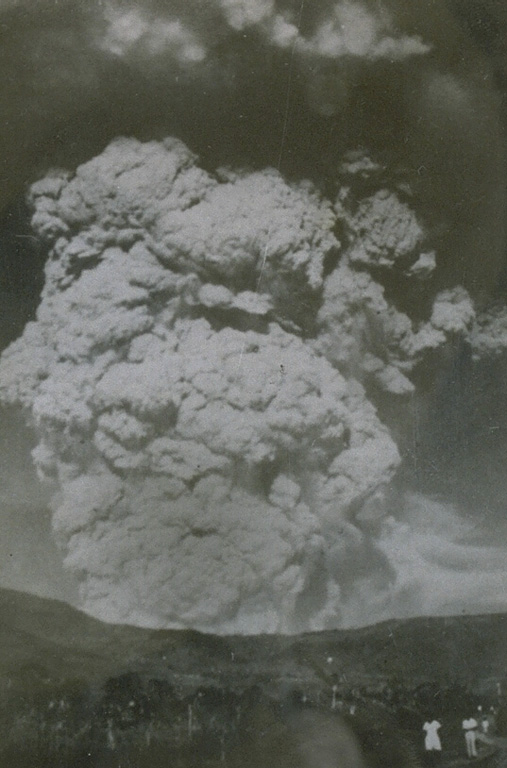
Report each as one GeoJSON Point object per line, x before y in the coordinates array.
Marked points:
{"type": "Point", "coordinates": [470, 728]}
{"type": "Point", "coordinates": [432, 743]}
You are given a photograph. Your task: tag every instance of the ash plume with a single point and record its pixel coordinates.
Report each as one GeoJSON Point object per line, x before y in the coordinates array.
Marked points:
{"type": "Point", "coordinates": [238, 360]}
{"type": "Point", "coordinates": [211, 458]}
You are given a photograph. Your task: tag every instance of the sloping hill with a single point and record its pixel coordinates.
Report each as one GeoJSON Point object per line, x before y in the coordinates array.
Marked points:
{"type": "Point", "coordinates": [52, 636]}
{"type": "Point", "coordinates": [56, 641]}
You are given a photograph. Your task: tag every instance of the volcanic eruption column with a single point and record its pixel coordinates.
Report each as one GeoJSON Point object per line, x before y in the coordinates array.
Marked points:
{"type": "Point", "coordinates": [206, 355]}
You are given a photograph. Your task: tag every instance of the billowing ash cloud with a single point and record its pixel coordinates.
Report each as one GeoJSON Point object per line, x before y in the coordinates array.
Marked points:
{"type": "Point", "coordinates": [201, 375]}
{"type": "Point", "coordinates": [266, 82]}
{"type": "Point", "coordinates": [233, 373]}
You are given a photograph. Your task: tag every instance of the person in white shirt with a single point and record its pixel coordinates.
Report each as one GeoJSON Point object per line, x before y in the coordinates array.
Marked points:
{"type": "Point", "coordinates": [470, 727]}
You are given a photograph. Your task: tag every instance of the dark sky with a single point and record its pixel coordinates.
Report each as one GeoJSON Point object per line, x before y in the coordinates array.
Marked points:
{"type": "Point", "coordinates": [436, 118]}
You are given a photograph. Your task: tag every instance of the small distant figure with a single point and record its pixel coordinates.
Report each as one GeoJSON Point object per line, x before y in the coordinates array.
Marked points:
{"type": "Point", "coordinates": [470, 726]}
{"type": "Point", "coordinates": [432, 743]}
{"type": "Point", "coordinates": [111, 740]}
{"type": "Point", "coordinates": [485, 725]}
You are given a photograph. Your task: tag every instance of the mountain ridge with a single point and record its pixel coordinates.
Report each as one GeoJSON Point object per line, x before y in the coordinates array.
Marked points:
{"type": "Point", "coordinates": [60, 641]}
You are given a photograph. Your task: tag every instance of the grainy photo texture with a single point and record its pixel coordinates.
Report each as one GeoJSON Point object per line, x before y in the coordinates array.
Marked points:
{"type": "Point", "coordinates": [253, 412]}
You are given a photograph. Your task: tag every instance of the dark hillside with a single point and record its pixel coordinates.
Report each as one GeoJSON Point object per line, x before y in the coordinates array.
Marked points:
{"type": "Point", "coordinates": [37, 631]}
{"type": "Point", "coordinates": [77, 692]}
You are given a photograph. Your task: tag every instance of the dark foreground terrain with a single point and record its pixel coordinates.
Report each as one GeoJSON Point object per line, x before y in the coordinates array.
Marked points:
{"type": "Point", "coordinates": [76, 692]}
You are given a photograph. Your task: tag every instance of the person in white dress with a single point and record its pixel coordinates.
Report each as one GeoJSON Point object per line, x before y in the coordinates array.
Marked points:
{"type": "Point", "coordinates": [432, 743]}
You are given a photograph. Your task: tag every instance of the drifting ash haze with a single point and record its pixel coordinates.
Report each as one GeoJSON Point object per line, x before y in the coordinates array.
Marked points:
{"type": "Point", "coordinates": [236, 370]}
